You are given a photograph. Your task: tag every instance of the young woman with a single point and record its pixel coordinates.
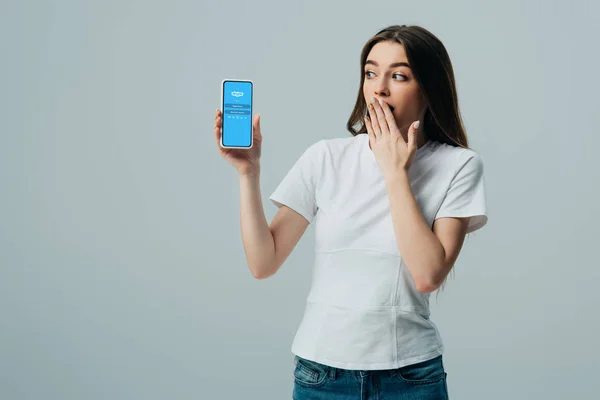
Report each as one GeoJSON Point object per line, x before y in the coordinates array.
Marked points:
{"type": "Point", "coordinates": [392, 205]}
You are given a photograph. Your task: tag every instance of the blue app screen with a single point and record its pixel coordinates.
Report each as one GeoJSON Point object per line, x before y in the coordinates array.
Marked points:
{"type": "Point", "coordinates": [237, 114]}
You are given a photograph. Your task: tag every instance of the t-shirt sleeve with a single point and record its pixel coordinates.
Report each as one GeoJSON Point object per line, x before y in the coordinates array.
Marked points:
{"type": "Point", "coordinates": [297, 190]}
{"type": "Point", "coordinates": [466, 195]}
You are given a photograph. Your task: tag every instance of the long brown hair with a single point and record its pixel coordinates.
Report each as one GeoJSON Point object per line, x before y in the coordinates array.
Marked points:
{"type": "Point", "coordinates": [431, 66]}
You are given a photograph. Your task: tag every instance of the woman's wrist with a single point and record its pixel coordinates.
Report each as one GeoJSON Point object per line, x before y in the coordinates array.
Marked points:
{"type": "Point", "coordinates": [250, 172]}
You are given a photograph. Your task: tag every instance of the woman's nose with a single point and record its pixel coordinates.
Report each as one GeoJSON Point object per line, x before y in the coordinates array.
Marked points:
{"type": "Point", "coordinates": [381, 91]}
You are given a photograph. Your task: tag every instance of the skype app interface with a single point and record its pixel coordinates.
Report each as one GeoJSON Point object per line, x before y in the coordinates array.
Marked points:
{"type": "Point", "coordinates": [237, 114]}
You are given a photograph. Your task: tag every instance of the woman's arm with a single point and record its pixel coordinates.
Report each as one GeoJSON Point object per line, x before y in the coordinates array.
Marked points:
{"type": "Point", "coordinates": [428, 254]}
{"type": "Point", "coordinates": [266, 247]}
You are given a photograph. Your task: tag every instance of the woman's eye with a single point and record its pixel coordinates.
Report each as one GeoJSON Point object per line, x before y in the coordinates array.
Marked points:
{"type": "Point", "coordinates": [370, 72]}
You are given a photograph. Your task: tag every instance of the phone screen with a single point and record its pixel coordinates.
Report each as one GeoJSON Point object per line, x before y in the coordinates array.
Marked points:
{"type": "Point", "coordinates": [237, 114]}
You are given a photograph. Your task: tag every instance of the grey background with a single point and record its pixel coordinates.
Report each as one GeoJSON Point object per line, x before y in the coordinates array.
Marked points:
{"type": "Point", "coordinates": [122, 272]}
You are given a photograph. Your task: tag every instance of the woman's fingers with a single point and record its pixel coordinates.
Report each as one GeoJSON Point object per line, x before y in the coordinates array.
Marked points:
{"type": "Point", "coordinates": [217, 128]}
{"type": "Point", "coordinates": [381, 121]}
{"type": "Point", "coordinates": [387, 115]}
{"type": "Point", "coordinates": [412, 135]}
{"type": "Point", "coordinates": [369, 128]}
{"type": "Point", "coordinates": [373, 119]}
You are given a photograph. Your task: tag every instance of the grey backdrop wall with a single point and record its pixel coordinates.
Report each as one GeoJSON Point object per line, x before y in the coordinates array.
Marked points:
{"type": "Point", "coordinates": [122, 272]}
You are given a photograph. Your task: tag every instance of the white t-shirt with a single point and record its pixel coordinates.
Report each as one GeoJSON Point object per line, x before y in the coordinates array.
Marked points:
{"type": "Point", "coordinates": [363, 311]}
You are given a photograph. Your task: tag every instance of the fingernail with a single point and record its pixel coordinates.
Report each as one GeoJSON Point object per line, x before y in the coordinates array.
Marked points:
{"type": "Point", "coordinates": [416, 125]}
{"type": "Point", "coordinates": [381, 102]}
{"type": "Point", "coordinates": [373, 100]}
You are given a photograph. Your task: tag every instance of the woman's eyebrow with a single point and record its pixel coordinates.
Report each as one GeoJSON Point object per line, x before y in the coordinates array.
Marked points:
{"type": "Point", "coordinates": [394, 65]}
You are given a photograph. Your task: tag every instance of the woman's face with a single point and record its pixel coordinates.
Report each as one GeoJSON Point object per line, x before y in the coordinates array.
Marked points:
{"type": "Point", "coordinates": [389, 77]}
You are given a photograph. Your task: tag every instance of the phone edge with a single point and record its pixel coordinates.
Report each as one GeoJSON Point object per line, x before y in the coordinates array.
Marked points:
{"type": "Point", "coordinates": [251, 115]}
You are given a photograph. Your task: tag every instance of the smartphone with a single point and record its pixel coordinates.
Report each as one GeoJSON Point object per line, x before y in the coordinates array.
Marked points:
{"type": "Point", "coordinates": [236, 110]}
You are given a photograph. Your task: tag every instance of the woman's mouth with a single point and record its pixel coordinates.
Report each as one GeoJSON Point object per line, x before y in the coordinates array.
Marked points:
{"type": "Point", "coordinates": [390, 106]}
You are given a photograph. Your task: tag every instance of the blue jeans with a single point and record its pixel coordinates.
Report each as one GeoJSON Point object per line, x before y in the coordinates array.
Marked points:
{"type": "Point", "coordinates": [424, 381]}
